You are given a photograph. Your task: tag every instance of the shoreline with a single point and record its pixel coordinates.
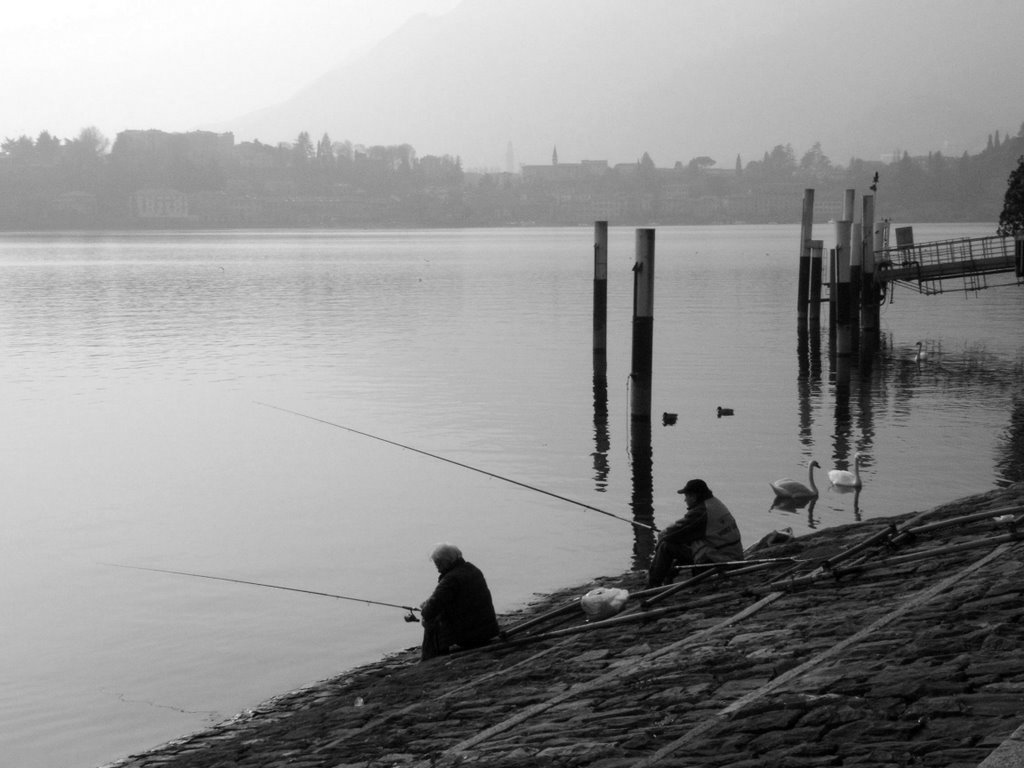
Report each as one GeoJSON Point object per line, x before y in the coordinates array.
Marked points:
{"type": "Point", "coordinates": [926, 664]}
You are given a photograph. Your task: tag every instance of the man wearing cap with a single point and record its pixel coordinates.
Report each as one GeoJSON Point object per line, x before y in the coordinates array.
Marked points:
{"type": "Point", "coordinates": [707, 533]}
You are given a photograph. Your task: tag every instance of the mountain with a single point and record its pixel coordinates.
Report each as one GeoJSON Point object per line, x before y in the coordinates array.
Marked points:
{"type": "Point", "coordinates": [678, 79]}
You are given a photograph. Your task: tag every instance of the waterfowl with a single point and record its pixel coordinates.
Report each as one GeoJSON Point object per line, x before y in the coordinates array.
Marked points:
{"type": "Point", "coordinates": [921, 354]}
{"type": "Point", "coordinates": [788, 488]}
{"type": "Point", "coordinates": [844, 478]}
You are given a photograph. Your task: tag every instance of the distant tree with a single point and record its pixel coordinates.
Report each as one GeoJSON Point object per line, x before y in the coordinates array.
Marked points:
{"type": "Point", "coordinates": [781, 162]}
{"type": "Point", "coordinates": [342, 150]}
{"type": "Point", "coordinates": [302, 149]}
{"type": "Point", "coordinates": [325, 151]}
{"type": "Point", "coordinates": [1011, 220]}
{"type": "Point", "coordinates": [47, 148]}
{"type": "Point", "coordinates": [700, 163]}
{"type": "Point", "coordinates": [87, 148]}
{"type": "Point", "coordinates": [646, 163]}
{"type": "Point", "coordinates": [815, 162]}
{"type": "Point", "coordinates": [739, 165]}
{"type": "Point", "coordinates": [20, 150]}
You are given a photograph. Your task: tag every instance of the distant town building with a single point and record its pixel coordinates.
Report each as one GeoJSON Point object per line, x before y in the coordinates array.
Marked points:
{"type": "Point", "coordinates": [565, 172]}
{"type": "Point", "coordinates": [161, 204]}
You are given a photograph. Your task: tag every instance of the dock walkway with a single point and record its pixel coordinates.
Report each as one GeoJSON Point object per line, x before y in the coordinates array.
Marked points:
{"type": "Point", "coordinates": [923, 266]}
{"type": "Point", "coordinates": [890, 642]}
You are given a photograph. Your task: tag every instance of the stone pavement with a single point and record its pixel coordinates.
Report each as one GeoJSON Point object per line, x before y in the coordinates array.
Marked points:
{"type": "Point", "coordinates": [892, 642]}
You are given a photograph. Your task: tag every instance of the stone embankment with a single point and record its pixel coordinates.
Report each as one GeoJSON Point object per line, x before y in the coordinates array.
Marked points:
{"type": "Point", "coordinates": [891, 642]}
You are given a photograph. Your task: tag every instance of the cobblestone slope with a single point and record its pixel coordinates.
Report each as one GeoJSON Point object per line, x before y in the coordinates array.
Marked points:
{"type": "Point", "coordinates": [891, 642]}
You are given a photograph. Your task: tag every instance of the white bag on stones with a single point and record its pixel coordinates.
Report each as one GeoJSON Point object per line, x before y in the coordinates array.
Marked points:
{"type": "Point", "coordinates": [603, 602]}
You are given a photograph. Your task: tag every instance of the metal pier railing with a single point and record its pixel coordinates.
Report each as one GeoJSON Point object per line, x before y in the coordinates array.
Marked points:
{"type": "Point", "coordinates": [925, 266]}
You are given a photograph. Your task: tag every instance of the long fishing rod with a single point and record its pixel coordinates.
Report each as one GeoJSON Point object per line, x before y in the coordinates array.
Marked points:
{"type": "Point", "coordinates": [410, 617]}
{"type": "Point", "coordinates": [461, 464]}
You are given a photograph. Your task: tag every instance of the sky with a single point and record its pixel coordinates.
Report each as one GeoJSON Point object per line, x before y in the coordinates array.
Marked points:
{"type": "Point", "coordinates": [137, 64]}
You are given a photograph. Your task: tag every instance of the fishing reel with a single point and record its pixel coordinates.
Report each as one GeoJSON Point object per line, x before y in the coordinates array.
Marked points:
{"type": "Point", "coordinates": [410, 618]}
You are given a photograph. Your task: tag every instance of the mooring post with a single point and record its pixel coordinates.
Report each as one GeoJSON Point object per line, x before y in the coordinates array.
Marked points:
{"type": "Point", "coordinates": [869, 295]}
{"type": "Point", "coordinates": [600, 288]}
{"type": "Point", "coordinates": [806, 223]}
{"type": "Point", "coordinates": [643, 327]}
{"type": "Point", "coordinates": [856, 278]}
{"type": "Point", "coordinates": [844, 342]}
{"type": "Point", "coordinates": [601, 437]}
{"type": "Point", "coordinates": [848, 201]}
{"type": "Point", "coordinates": [832, 288]}
{"type": "Point", "coordinates": [881, 232]}
{"type": "Point", "coordinates": [814, 311]}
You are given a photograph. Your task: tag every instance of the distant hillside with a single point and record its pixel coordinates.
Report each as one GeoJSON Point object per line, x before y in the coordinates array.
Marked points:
{"type": "Point", "coordinates": [611, 79]}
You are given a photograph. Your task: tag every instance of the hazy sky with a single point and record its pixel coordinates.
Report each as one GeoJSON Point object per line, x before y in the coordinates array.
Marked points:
{"type": "Point", "coordinates": [176, 64]}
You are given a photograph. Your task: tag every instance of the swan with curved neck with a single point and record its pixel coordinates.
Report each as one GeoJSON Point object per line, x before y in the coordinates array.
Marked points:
{"type": "Point", "coordinates": [788, 488]}
{"type": "Point", "coordinates": [844, 478]}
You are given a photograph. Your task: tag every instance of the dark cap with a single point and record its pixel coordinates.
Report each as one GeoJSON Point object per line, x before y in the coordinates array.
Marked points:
{"type": "Point", "coordinates": [695, 486]}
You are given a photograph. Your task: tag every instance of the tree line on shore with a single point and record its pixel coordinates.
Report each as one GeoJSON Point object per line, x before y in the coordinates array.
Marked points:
{"type": "Point", "coordinates": [201, 179]}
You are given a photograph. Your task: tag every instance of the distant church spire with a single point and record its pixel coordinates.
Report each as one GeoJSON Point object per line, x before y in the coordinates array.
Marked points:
{"type": "Point", "coordinates": [554, 156]}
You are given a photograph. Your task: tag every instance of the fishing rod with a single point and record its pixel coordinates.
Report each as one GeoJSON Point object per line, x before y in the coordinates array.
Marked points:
{"type": "Point", "coordinates": [410, 617]}
{"type": "Point", "coordinates": [460, 464]}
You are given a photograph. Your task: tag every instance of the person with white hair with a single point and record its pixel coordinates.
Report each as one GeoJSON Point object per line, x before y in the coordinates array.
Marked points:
{"type": "Point", "coordinates": [460, 612]}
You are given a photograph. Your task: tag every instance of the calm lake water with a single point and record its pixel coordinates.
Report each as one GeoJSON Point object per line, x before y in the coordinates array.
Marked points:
{"type": "Point", "coordinates": [136, 367]}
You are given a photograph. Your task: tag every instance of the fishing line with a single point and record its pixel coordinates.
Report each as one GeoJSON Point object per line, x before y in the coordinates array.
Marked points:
{"type": "Point", "coordinates": [458, 464]}
{"type": "Point", "coordinates": [408, 608]}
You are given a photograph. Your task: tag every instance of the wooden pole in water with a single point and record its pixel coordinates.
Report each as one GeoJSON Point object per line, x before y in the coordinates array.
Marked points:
{"type": "Point", "coordinates": [877, 248]}
{"type": "Point", "coordinates": [856, 278]}
{"type": "Point", "coordinates": [844, 345]}
{"type": "Point", "coordinates": [848, 201]}
{"type": "Point", "coordinates": [600, 288]}
{"type": "Point", "coordinates": [832, 294]}
{"type": "Point", "coordinates": [814, 311]}
{"type": "Point", "coordinates": [643, 327]}
{"type": "Point", "coordinates": [806, 223]}
{"type": "Point", "coordinates": [869, 296]}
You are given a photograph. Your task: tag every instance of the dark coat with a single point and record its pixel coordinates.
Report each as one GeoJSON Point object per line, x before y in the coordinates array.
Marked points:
{"type": "Point", "coordinates": [461, 607]}
{"type": "Point", "coordinates": [710, 531]}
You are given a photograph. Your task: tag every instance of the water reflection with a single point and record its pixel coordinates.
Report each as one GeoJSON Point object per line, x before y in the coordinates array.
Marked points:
{"type": "Point", "coordinates": [643, 492]}
{"type": "Point", "coordinates": [791, 506]}
{"type": "Point", "coordinates": [601, 436]}
{"type": "Point", "coordinates": [1010, 461]}
{"type": "Point", "coordinates": [886, 378]}
{"type": "Point", "coordinates": [845, 490]}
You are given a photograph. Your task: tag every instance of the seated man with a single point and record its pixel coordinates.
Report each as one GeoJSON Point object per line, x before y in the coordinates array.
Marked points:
{"type": "Point", "coordinates": [707, 533]}
{"type": "Point", "coordinates": [460, 611]}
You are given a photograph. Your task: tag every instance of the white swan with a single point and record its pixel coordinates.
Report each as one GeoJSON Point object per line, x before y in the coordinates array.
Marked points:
{"type": "Point", "coordinates": [844, 478]}
{"type": "Point", "coordinates": [787, 488]}
{"type": "Point", "coordinates": [921, 354]}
